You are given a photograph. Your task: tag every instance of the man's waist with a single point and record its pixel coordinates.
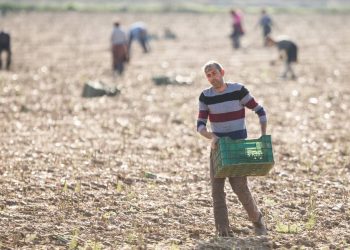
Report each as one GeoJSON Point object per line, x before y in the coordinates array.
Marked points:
{"type": "Point", "coordinates": [235, 135]}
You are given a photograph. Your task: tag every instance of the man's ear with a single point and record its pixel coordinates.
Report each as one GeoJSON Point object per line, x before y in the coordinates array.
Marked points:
{"type": "Point", "coordinates": [222, 72]}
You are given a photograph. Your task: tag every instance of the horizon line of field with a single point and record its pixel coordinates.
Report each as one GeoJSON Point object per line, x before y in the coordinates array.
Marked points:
{"type": "Point", "coordinates": [168, 8]}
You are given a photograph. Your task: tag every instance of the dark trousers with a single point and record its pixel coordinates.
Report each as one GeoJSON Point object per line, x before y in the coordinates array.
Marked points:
{"type": "Point", "coordinates": [236, 41]}
{"type": "Point", "coordinates": [8, 57]}
{"type": "Point", "coordinates": [143, 42]}
{"type": "Point", "coordinates": [240, 187]}
{"type": "Point", "coordinates": [288, 69]}
{"type": "Point", "coordinates": [266, 33]}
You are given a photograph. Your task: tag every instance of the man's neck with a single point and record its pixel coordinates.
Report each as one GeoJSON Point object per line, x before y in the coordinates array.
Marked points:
{"type": "Point", "coordinates": [221, 89]}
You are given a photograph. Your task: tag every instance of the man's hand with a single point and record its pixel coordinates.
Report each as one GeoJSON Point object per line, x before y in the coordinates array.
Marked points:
{"type": "Point", "coordinates": [214, 141]}
{"type": "Point", "coordinates": [210, 135]}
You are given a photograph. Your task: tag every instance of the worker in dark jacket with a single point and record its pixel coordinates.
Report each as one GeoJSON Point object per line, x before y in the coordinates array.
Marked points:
{"type": "Point", "coordinates": [288, 52]}
{"type": "Point", "coordinates": [266, 23]}
{"type": "Point", "coordinates": [5, 45]}
{"type": "Point", "coordinates": [138, 31]}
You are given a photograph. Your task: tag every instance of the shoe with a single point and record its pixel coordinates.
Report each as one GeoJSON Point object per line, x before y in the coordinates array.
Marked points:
{"type": "Point", "coordinates": [225, 234]}
{"type": "Point", "coordinates": [283, 77]}
{"type": "Point", "coordinates": [260, 227]}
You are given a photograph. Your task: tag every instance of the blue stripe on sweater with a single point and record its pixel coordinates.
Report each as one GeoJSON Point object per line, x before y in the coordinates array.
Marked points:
{"type": "Point", "coordinates": [199, 123]}
{"type": "Point", "coordinates": [261, 112]}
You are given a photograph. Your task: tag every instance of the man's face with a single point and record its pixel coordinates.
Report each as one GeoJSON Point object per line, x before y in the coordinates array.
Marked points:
{"type": "Point", "coordinates": [215, 76]}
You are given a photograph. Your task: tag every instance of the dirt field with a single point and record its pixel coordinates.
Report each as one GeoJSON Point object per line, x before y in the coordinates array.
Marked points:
{"type": "Point", "coordinates": [130, 171]}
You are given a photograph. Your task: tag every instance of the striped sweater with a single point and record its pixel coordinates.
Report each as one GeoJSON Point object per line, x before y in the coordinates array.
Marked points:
{"type": "Point", "coordinates": [226, 111]}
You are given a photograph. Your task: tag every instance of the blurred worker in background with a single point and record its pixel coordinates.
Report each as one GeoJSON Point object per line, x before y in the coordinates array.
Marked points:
{"type": "Point", "coordinates": [237, 31]}
{"type": "Point", "coordinates": [138, 31]}
{"type": "Point", "coordinates": [120, 53]}
{"type": "Point", "coordinates": [266, 23]}
{"type": "Point", "coordinates": [5, 46]}
{"type": "Point", "coordinates": [288, 52]}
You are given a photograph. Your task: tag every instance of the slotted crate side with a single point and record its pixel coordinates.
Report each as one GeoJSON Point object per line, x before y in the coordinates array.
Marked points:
{"type": "Point", "coordinates": [236, 152]}
{"type": "Point", "coordinates": [243, 157]}
{"type": "Point", "coordinates": [243, 170]}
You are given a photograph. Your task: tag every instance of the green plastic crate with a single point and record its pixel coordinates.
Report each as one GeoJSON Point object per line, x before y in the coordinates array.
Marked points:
{"type": "Point", "coordinates": [252, 157]}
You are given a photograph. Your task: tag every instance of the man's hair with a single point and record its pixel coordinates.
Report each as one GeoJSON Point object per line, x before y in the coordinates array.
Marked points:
{"type": "Point", "coordinates": [212, 64]}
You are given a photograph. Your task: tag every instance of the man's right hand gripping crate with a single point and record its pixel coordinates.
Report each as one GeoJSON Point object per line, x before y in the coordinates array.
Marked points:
{"type": "Point", "coordinates": [252, 157]}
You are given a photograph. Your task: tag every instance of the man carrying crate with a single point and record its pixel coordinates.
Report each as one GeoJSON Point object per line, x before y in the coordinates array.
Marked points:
{"type": "Point", "coordinates": [224, 104]}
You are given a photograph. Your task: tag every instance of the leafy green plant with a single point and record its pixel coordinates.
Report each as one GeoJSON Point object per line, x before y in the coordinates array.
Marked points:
{"type": "Point", "coordinates": [119, 187]}
{"type": "Point", "coordinates": [174, 246]}
{"type": "Point", "coordinates": [106, 216]}
{"type": "Point", "coordinates": [65, 187]}
{"type": "Point", "coordinates": [311, 211]}
{"type": "Point", "coordinates": [30, 237]}
{"type": "Point", "coordinates": [310, 224]}
{"type": "Point", "coordinates": [73, 244]}
{"type": "Point", "coordinates": [78, 188]}
{"type": "Point", "coordinates": [92, 245]}
{"type": "Point", "coordinates": [269, 202]}
{"type": "Point", "coordinates": [287, 228]}
{"type": "Point", "coordinates": [131, 237]}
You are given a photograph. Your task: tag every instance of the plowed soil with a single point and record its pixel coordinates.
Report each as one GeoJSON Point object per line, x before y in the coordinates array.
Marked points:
{"type": "Point", "coordinates": [130, 171]}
